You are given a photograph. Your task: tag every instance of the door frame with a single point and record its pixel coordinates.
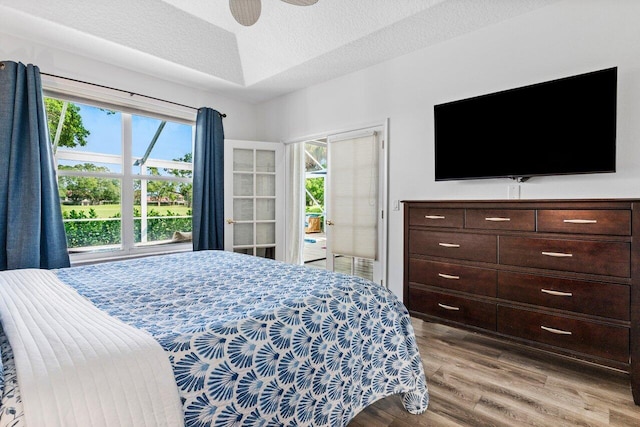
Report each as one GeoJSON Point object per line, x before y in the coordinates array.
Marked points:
{"type": "Point", "coordinates": [383, 127]}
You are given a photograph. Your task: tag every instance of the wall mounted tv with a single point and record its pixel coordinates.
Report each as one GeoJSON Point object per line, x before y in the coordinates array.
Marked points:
{"type": "Point", "coordinates": [559, 127]}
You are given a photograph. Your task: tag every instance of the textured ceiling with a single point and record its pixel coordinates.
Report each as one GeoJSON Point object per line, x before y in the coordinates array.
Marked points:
{"type": "Point", "coordinates": [198, 43]}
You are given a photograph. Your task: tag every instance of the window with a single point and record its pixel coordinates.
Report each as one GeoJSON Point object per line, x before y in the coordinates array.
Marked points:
{"type": "Point", "coordinates": [125, 180]}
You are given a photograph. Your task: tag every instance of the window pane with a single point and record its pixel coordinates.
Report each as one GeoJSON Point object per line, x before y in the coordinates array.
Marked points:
{"type": "Point", "coordinates": [266, 209]}
{"type": "Point", "coordinates": [353, 266]}
{"type": "Point", "coordinates": [160, 147]}
{"type": "Point", "coordinates": [266, 252]}
{"type": "Point", "coordinates": [243, 209]}
{"type": "Point", "coordinates": [89, 191]}
{"type": "Point", "coordinates": [265, 185]}
{"type": "Point", "coordinates": [164, 215]}
{"type": "Point", "coordinates": [242, 184]}
{"type": "Point", "coordinates": [243, 234]}
{"type": "Point", "coordinates": [246, 251]}
{"type": "Point", "coordinates": [315, 158]}
{"type": "Point", "coordinates": [89, 138]}
{"type": "Point", "coordinates": [266, 233]}
{"type": "Point", "coordinates": [88, 144]}
{"type": "Point", "coordinates": [242, 160]}
{"type": "Point", "coordinates": [91, 213]}
{"type": "Point", "coordinates": [265, 161]}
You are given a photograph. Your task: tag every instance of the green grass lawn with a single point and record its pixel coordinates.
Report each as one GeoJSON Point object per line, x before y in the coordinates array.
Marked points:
{"type": "Point", "coordinates": [109, 211]}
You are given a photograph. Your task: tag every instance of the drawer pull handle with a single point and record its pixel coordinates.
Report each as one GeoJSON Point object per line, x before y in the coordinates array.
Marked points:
{"type": "Point", "coordinates": [557, 254]}
{"type": "Point", "coordinates": [449, 245]}
{"type": "Point", "coordinates": [497, 219]}
{"type": "Point", "coordinates": [581, 221]}
{"type": "Point", "coordinates": [556, 293]}
{"type": "Point", "coordinates": [448, 307]}
{"type": "Point", "coordinates": [434, 216]}
{"type": "Point", "coordinates": [448, 276]}
{"type": "Point", "coordinates": [555, 331]}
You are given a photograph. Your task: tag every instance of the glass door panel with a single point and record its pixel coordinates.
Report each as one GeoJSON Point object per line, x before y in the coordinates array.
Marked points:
{"type": "Point", "coordinates": [242, 209]}
{"type": "Point", "coordinates": [242, 160]}
{"type": "Point", "coordinates": [266, 209]}
{"type": "Point", "coordinates": [265, 161]}
{"type": "Point", "coordinates": [266, 233]}
{"type": "Point", "coordinates": [253, 176]}
{"type": "Point", "coordinates": [243, 234]}
{"type": "Point", "coordinates": [243, 184]}
{"type": "Point", "coordinates": [266, 185]}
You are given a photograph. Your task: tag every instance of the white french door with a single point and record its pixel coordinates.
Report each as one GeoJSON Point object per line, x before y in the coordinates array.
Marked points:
{"type": "Point", "coordinates": [355, 200]}
{"type": "Point", "coordinates": [254, 190]}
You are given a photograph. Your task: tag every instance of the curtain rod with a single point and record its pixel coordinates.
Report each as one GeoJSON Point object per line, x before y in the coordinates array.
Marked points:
{"type": "Point", "coordinates": [125, 91]}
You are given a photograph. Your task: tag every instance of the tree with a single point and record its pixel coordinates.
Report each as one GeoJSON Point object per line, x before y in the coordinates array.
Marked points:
{"type": "Point", "coordinates": [315, 161]}
{"type": "Point", "coordinates": [160, 189]}
{"type": "Point", "coordinates": [79, 188]}
{"type": "Point", "coordinates": [184, 188]}
{"type": "Point", "coordinates": [73, 131]}
{"type": "Point", "coordinates": [187, 158]}
{"type": "Point", "coordinates": [315, 187]}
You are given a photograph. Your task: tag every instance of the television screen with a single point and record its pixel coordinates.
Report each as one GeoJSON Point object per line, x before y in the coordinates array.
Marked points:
{"type": "Point", "coordinates": [564, 126]}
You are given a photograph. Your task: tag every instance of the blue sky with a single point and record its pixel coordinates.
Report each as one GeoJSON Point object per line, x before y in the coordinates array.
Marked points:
{"type": "Point", "coordinates": [106, 135]}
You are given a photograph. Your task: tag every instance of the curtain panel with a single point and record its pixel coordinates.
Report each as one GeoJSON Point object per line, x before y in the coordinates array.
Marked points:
{"type": "Point", "coordinates": [32, 234]}
{"type": "Point", "coordinates": [295, 203]}
{"type": "Point", "coordinates": [208, 181]}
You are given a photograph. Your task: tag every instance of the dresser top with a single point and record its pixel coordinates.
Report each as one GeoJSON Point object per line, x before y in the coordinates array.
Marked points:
{"type": "Point", "coordinates": [530, 203]}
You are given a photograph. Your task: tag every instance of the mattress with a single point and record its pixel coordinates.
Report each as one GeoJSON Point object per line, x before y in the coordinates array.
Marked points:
{"type": "Point", "coordinates": [254, 341]}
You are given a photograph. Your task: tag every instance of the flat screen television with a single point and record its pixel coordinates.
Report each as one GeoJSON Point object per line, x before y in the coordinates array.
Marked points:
{"type": "Point", "coordinates": [559, 127]}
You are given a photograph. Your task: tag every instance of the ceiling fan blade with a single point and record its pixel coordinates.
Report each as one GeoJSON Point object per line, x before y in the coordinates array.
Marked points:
{"type": "Point", "coordinates": [246, 12]}
{"type": "Point", "coordinates": [301, 2]}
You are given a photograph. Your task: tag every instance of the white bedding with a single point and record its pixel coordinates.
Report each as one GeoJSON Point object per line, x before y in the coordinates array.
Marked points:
{"type": "Point", "coordinates": [78, 366]}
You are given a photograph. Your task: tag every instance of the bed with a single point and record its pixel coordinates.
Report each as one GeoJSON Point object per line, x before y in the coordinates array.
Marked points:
{"type": "Point", "coordinates": [250, 341]}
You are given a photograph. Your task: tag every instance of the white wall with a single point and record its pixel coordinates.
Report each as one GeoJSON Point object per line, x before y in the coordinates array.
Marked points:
{"type": "Point", "coordinates": [560, 40]}
{"type": "Point", "coordinates": [240, 122]}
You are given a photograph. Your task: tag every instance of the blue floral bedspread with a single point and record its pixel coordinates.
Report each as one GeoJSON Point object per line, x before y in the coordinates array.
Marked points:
{"type": "Point", "coordinates": [255, 342]}
{"type": "Point", "coordinates": [11, 413]}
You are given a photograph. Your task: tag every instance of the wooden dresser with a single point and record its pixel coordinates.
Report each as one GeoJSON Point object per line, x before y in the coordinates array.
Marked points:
{"type": "Point", "coordinates": [556, 275]}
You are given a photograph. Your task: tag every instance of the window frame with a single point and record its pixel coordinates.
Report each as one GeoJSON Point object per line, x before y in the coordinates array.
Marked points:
{"type": "Point", "coordinates": [100, 97]}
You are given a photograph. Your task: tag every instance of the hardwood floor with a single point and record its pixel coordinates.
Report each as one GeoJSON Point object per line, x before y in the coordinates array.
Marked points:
{"type": "Point", "coordinates": [475, 380]}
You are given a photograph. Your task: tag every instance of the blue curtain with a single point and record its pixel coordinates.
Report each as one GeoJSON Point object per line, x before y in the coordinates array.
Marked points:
{"type": "Point", "coordinates": [31, 231]}
{"type": "Point", "coordinates": [208, 181]}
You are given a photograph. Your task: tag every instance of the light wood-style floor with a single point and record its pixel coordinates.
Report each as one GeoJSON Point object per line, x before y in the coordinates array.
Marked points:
{"type": "Point", "coordinates": [475, 380]}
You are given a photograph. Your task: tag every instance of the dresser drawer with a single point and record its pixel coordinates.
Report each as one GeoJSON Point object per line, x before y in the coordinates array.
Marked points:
{"type": "Point", "coordinates": [616, 222]}
{"type": "Point", "coordinates": [453, 218]}
{"type": "Point", "coordinates": [605, 341]}
{"type": "Point", "coordinates": [584, 256]}
{"type": "Point", "coordinates": [473, 247]}
{"type": "Point", "coordinates": [501, 219]}
{"type": "Point", "coordinates": [479, 281]}
{"type": "Point", "coordinates": [453, 308]}
{"type": "Point", "coordinates": [598, 299]}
